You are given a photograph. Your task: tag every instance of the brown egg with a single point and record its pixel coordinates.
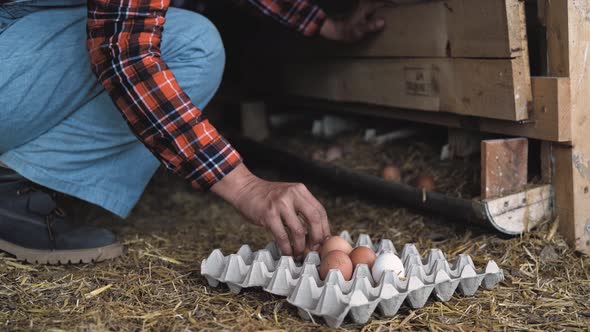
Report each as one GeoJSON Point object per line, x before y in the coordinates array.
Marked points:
{"type": "Point", "coordinates": [335, 243]}
{"type": "Point", "coordinates": [338, 260]}
{"type": "Point", "coordinates": [425, 182]}
{"type": "Point", "coordinates": [363, 255]}
{"type": "Point", "coordinates": [334, 153]}
{"type": "Point", "coordinates": [391, 173]}
{"type": "Point", "coordinates": [318, 155]}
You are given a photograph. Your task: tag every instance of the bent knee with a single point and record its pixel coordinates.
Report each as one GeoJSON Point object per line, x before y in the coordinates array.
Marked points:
{"type": "Point", "coordinates": [193, 48]}
{"type": "Point", "coordinates": [195, 35]}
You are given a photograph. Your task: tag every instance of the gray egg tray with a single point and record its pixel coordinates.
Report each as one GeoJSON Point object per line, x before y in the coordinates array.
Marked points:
{"type": "Point", "coordinates": [335, 298]}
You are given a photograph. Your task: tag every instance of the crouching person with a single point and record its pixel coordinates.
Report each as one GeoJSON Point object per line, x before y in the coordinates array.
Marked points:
{"type": "Point", "coordinates": [95, 95]}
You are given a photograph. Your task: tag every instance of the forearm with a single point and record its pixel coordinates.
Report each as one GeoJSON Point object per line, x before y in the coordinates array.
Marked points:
{"type": "Point", "coordinates": [124, 47]}
{"type": "Point", "coordinates": [231, 187]}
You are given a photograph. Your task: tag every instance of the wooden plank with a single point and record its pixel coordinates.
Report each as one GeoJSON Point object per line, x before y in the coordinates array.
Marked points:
{"type": "Point", "coordinates": [520, 212]}
{"type": "Point", "coordinates": [547, 162]}
{"type": "Point", "coordinates": [488, 28]}
{"type": "Point", "coordinates": [549, 121]}
{"type": "Point", "coordinates": [550, 118]}
{"type": "Point", "coordinates": [475, 87]}
{"type": "Point", "coordinates": [504, 166]}
{"type": "Point", "coordinates": [451, 28]}
{"type": "Point", "coordinates": [418, 30]}
{"type": "Point", "coordinates": [568, 34]}
{"type": "Point", "coordinates": [542, 11]}
{"type": "Point", "coordinates": [556, 19]}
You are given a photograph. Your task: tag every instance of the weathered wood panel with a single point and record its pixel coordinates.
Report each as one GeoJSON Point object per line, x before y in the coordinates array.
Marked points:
{"type": "Point", "coordinates": [476, 87]}
{"type": "Point", "coordinates": [549, 121]}
{"type": "Point", "coordinates": [452, 28]}
{"type": "Point", "coordinates": [504, 166]}
{"type": "Point", "coordinates": [568, 34]}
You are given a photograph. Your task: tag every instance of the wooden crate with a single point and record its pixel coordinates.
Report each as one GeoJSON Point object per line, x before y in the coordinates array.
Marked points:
{"type": "Point", "coordinates": [459, 56]}
{"type": "Point", "coordinates": [463, 64]}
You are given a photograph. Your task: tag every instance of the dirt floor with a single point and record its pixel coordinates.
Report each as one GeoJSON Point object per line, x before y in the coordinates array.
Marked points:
{"type": "Point", "coordinates": [157, 285]}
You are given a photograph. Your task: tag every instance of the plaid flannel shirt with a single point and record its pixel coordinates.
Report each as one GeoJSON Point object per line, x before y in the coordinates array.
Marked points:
{"type": "Point", "coordinates": [124, 38]}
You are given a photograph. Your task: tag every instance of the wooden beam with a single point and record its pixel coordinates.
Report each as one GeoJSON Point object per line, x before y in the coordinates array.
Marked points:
{"type": "Point", "coordinates": [550, 119]}
{"type": "Point", "coordinates": [504, 166]}
{"type": "Point", "coordinates": [542, 11]}
{"type": "Point", "coordinates": [547, 162]}
{"type": "Point", "coordinates": [497, 89]}
{"type": "Point", "coordinates": [568, 34]}
{"type": "Point", "coordinates": [558, 39]}
{"type": "Point", "coordinates": [491, 28]}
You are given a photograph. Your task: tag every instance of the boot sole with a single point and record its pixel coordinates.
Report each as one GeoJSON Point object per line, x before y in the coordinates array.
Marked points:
{"type": "Point", "coordinates": [62, 257]}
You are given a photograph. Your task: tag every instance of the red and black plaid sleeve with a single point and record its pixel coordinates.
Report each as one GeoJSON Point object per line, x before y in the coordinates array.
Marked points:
{"type": "Point", "coordinates": [124, 44]}
{"type": "Point", "coordinates": [300, 15]}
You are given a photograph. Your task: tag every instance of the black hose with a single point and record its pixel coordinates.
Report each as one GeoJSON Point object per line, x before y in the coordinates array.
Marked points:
{"type": "Point", "coordinates": [361, 184]}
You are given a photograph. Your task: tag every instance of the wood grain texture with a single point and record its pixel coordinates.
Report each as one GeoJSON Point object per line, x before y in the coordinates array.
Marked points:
{"type": "Point", "coordinates": [484, 88]}
{"type": "Point", "coordinates": [549, 121]}
{"type": "Point", "coordinates": [520, 212]}
{"type": "Point", "coordinates": [504, 166]}
{"type": "Point", "coordinates": [568, 33]}
{"type": "Point", "coordinates": [457, 56]}
{"type": "Point", "coordinates": [452, 28]}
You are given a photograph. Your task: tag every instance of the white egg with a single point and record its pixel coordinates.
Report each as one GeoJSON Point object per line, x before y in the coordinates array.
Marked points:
{"type": "Point", "coordinates": [387, 262]}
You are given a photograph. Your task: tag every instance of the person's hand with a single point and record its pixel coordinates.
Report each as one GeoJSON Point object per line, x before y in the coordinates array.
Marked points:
{"type": "Point", "coordinates": [358, 24]}
{"type": "Point", "coordinates": [277, 207]}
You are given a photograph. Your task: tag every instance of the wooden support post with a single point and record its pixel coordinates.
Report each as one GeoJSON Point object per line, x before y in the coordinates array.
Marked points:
{"type": "Point", "coordinates": [504, 166]}
{"type": "Point", "coordinates": [547, 162]}
{"type": "Point", "coordinates": [254, 120]}
{"type": "Point", "coordinates": [568, 39]}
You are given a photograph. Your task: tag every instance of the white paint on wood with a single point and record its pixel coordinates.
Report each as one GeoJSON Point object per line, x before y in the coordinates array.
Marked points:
{"type": "Point", "coordinates": [521, 212]}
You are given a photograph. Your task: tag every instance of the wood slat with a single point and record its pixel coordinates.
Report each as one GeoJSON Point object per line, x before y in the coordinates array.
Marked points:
{"type": "Point", "coordinates": [485, 88]}
{"type": "Point", "coordinates": [504, 166]}
{"type": "Point", "coordinates": [550, 119]}
{"type": "Point", "coordinates": [568, 34]}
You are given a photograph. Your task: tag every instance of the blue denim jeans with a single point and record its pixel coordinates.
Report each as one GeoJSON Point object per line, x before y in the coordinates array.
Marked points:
{"type": "Point", "coordinates": [58, 126]}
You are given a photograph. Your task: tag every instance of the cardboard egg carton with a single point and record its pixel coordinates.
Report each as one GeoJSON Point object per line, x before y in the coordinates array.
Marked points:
{"type": "Point", "coordinates": [335, 298]}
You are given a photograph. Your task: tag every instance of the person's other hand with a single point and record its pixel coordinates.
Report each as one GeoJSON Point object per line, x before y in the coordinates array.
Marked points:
{"type": "Point", "coordinates": [362, 21]}
{"type": "Point", "coordinates": [277, 206]}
